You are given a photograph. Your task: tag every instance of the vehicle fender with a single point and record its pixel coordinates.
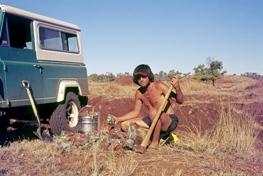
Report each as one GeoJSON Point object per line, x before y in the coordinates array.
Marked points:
{"type": "Point", "coordinates": [63, 85]}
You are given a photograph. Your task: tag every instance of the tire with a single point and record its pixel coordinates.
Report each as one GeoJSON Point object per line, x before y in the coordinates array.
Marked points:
{"type": "Point", "coordinates": [65, 117]}
{"type": "Point", "coordinates": [55, 121]}
{"type": "Point", "coordinates": [4, 123]}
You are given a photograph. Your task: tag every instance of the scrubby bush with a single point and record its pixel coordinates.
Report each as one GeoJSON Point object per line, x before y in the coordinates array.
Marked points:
{"type": "Point", "coordinates": [210, 73]}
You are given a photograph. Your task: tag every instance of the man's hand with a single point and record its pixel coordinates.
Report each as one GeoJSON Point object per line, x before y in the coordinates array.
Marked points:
{"type": "Point", "coordinates": [175, 82]}
{"type": "Point", "coordinates": [116, 120]}
{"type": "Point", "coordinates": [111, 119]}
{"type": "Point", "coordinates": [179, 95]}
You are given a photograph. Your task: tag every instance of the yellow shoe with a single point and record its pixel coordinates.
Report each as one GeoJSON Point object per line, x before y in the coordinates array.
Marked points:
{"type": "Point", "coordinates": [175, 138]}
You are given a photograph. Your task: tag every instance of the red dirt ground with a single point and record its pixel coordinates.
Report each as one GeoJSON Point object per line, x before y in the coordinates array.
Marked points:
{"type": "Point", "coordinates": [124, 81]}
{"type": "Point", "coordinates": [197, 109]}
{"type": "Point", "coordinates": [205, 112]}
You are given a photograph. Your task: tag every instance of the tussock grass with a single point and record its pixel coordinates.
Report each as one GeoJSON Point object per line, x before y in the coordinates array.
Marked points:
{"type": "Point", "coordinates": [95, 165]}
{"type": "Point", "coordinates": [236, 131]}
{"type": "Point", "coordinates": [233, 132]}
{"type": "Point", "coordinates": [121, 165]}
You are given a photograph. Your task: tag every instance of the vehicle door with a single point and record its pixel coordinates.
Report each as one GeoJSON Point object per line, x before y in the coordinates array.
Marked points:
{"type": "Point", "coordinates": [19, 61]}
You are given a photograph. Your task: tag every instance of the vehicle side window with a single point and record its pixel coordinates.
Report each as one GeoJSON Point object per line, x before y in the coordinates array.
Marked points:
{"type": "Point", "coordinates": [17, 32]}
{"type": "Point", "coordinates": [52, 39]}
{"type": "Point", "coordinates": [72, 42]}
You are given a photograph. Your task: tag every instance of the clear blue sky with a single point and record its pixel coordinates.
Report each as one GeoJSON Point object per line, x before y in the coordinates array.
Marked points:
{"type": "Point", "coordinates": [169, 34]}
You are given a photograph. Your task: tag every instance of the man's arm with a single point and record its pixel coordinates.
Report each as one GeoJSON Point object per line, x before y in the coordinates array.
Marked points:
{"type": "Point", "coordinates": [179, 94]}
{"type": "Point", "coordinates": [134, 113]}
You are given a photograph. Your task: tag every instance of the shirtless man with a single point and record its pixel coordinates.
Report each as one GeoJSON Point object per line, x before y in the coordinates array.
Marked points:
{"type": "Point", "coordinates": [151, 94]}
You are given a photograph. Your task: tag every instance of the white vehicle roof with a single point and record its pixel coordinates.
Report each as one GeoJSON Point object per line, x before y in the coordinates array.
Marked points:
{"type": "Point", "coordinates": [31, 15]}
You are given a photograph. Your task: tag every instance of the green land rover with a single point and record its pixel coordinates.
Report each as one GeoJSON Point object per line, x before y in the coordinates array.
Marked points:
{"type": "Point", "coordinates": [46, 54]}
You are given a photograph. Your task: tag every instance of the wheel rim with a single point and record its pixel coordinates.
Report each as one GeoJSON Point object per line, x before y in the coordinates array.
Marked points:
{"type": "Point", "coordinates": [72, 114]}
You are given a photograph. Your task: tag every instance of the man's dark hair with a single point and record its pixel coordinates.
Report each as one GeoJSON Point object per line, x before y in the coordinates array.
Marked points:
{"type": "Point", "coordinates": [142, 70]}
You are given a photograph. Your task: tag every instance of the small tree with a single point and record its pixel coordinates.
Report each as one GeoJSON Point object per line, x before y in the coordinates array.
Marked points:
{"type": "Point", "coordinates": [215, 69]}
{"type": "Point", "coordinates": [202, 73]}
{"type": "Point", "coordinates": [212, 72]}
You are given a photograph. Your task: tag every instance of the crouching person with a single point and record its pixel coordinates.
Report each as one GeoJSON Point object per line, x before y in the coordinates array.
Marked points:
{"type": "Point", "coordinates": [151, 94]}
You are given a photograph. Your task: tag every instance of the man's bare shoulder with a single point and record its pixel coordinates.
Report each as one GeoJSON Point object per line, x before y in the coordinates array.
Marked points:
{"type": "Point", "coordinates": [138, 93]}
{"type": "Point", "coordinates": [159, 84]}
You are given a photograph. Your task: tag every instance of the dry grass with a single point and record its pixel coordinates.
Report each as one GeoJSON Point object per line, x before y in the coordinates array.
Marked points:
{"type": "Point", "coordinates": [189, 86]}
{"type": "Point", "coordinates": [26, 157]}
{"type": "Point", "coordinates": [121, 165]}
{"type": "Point", "coordinates": [111, 89]}
{"type": "Point", "coordinates": [227, 85]}
{"type": "Point", "coordinates": [226, 150]}
{"type": "Point", "coordinates": [235, 131]}
{"type": "Point", "coordinates": [193, 87]}
{"type": "Point", "coordinates": [63, 157]}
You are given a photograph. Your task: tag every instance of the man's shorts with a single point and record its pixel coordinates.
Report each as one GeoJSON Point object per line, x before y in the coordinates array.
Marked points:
{"type": "Point", "coordinates": [172, 126]}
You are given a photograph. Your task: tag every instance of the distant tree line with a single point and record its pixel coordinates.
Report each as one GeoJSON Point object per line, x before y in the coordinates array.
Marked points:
{"type": "Point", "coordinates": [107, 77]}
{"type": "Point", "coordinates": [252, 75]}
{"type": "Point", "coordinates": [207, 73]}
{"type": "Point", "coordinates": [162, 75]}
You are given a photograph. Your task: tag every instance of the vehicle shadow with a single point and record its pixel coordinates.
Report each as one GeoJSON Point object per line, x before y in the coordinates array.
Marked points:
{"type": "Point", "coordinates": [18, 132]}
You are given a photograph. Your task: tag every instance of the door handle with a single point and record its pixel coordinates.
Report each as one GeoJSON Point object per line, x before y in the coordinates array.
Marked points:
{"type": "Point", "coordinates": [39, 67]}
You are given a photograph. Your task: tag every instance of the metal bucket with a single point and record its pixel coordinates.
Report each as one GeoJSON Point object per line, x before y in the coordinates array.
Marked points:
{"type": "Point", "coordinates": [88, 121]}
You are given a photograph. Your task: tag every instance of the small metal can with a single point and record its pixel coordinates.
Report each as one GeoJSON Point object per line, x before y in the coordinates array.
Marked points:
{"type": "Point", "coordinates": [88, 120]}
{"type": "Point", "coordinates": [88, 123]}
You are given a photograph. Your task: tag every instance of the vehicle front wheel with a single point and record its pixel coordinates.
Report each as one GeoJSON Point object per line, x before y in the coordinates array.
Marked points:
{"type": "Point", "coordinates": [66, 116]}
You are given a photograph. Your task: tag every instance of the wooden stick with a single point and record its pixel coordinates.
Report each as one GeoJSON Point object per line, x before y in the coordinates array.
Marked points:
{"type": "Point", "coordinates": [146, 139]}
